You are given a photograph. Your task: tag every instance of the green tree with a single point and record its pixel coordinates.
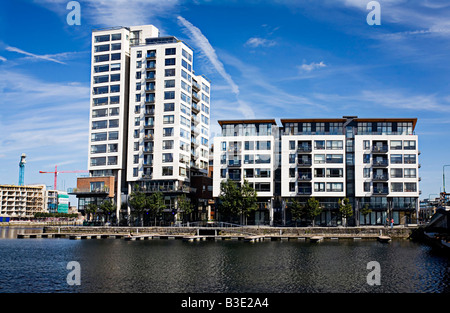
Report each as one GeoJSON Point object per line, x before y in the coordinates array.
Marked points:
{"type": "Point", "coordinates": [90, 209]}
{"type": "Point", "coordinates": [228, 203]}
{"type": "Point", "coordinates": [237, 201]}
{"type": "Point", "coordinates": [107, 207]}
{"type": "Point", "coordinates": [156, 204]}
{"type": "Point", "coordinates": [365, 211]}
{"type": "Point", "coordinates": [313, 209]}
{"type": "Point", "coordinates": [297, 210]}
{"type": "Point", "coordinates": [185, 206]}
{"type": "Point", "coordinates": [248, 199]}
{"type": "Point", "coordinates": [345, 209]}
{"type": "Point", "coordinates": [139, 202]}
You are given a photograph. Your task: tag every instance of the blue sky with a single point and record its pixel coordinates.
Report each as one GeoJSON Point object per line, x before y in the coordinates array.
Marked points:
{"type": "Point", "coordinates": [265, 59]}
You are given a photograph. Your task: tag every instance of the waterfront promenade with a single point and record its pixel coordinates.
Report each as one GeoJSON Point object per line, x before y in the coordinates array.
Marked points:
{"type": "Point", "coordinates": [246, 233]}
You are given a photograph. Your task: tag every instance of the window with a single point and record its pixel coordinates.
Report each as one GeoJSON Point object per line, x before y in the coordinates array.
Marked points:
{"type": "Point", "coordinates": [100, 113]}
{"type": "Point", "coordinates": [169, 72]}
{"type": "Point", "coordinates": [112, 147]}
{"type": "Point", "coordinates": [114, 100]}
{"type": "Point", "coordinates": [334, 144]}
{"type": "Point", "coordinates": [99, 124]}
{"type": "Point", "coordinates": [167, 170]}
{"type": "Point", "coordinates": [292, 145]}
{"type": "Point", "coordinates": [366, 144]}
{"type": "Point", "coordinates": [409, 145]}
{"type": "Point", "coordinates": [366, 172]}
{"type": "Point", "coordinates": [335, 172]}
{"type": "Point", "coordinates": [319, 158]}
{"type": "Point", "coordinates": [98, 137]}
{"type": "Point", "coordinates": [169, 62]}
{"type": "Point", "coordinates": [113, 123]}
{"type": "Point", "coordinates": [366, 187]}
{"type": "Point", "coordinates": [115, 77]}
{"type": "Point", "coordinates": [98, 161]}
{"type": "Point", "coordinates": [171, 51]}
{"type": "Point", "coordinates": [262, 158]}
{"type": "Point", "coordinates": [335, 187]}
{"type": "Point", "coordinates": [263, 145]}
{"type": "Point", "coordinates": [101, 58]}
{"type": "Point", "coordinates": [113, 135]}
{"type": "Point", "coordinates": [169, 83]}
{"type": "Point", "coordinates": [292, 172]}
{"type": "Point", "coordinates": [319, 187]}
{"type": "Point", "coordinates": [115, 46]}
{"type": "Point", "coordinates": [410, 187]}
{"type": "Point", "coordinates": [100, 101]}
{"type": "Point", "coordinates": [112, 160]}
{"type": "Point", "coordinates": [397, 187]}
{"type": "Point", "coordinates": [115, 67]}
{"type": "Point", "coordinates": [410, 173]}
{"type": "Point", "coordinates": [114, 88]}
{"type": "Point", "coordinates": [168, 107]}
{"type": "Point", "coordinates": [101, 79]}
{"type": "Point", "coordinates": [115, 56]}
{"type": "Point", "coordinates": [101, 68]}
{"type": "Point", "coordinates": [98, 149]}
{"type": "Point", "coordinates": [167, 132]}
{"type": "Point", "coordinates": [249, 145]}
{"type": "Point", "coordinates": [262, 173]}
{"type": "Point", "coordinates": [396, 173]}
{"type": "Point", "coordinates": [167, 157]}
{"type": "Point", "coordinates": [248, 173]}
{"type": "Point", "coordinates": [116, 37]}
{"type": "Point", "coordinates": [396, 158]}
{"type": "Point", "coordinates": [319, 172]}
{"type": "Point", "coordinates": [319, 144]}
{"type": "Point", "coordinates": [187, 55]}
{"type": "Point", "coordinates": [186, 65]}
{"type": "Point", "coordinates": [101, 48]}
{"type": "Point", "coordinates": [366, 158]}
{"type": "Point", "coordinates": [396, 145]}
{"type": "Point", "coordinates": [335, 158]}
{"type": "Point", "coordinates": [101, 38]}
{"type": "Point", "coordinates": [168, 95]}
{"type": "Point", "coordinates": [249, 159]}
{"type": "Point", "coordinates": [168, 119]}
{"type": "Point", "coordinates": [410, 159]}
{"type": "Point", "coordinates": [100, 90]}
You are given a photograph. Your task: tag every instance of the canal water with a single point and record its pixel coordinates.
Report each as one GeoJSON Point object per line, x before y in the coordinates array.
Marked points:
{"type": "Point", "coordinates": [175, 266]}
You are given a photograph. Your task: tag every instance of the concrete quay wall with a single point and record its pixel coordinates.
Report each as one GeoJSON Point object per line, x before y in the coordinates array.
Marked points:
{"type": "Point", "coordinates": [341, 232]}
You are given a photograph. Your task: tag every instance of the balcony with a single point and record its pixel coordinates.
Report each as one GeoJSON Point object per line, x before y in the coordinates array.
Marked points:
{"type": "Point", "coordinates": [149, 100]}
{"type": "Point", "coordinates": [380, 163]}
{"type": "Point", "coordinates": [383, 177]}
{"type": "Point", "coordinates": [195, 97]}
{"type": "Point", "coordinates": [195, 86]}
{"type": "Point", "coordinates": [303, 163]}
{"type": "Point", "coordinates": [304, 191]}
{"type": "Point", "coordinates": [380, 149]}
{"type": "Point", "coordinates": [304, 177]}
{"type": "Point", "coordinates": [232, 163]}
{"type": "Point", "coordinates": [195, 107]}
{"type": "Point", "coordinates": [304, 149]}
{"type": "Point", "coordinates": [149, 112]}
{"type": "Point", "coordinates": [380, 191]}
{"type": "Point", "coordinates": [148, 150]}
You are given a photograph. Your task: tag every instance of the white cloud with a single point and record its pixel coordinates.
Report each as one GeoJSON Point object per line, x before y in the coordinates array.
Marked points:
{"type": "Point", "coordinates": [311, 66]}
{"type": "Point", "coordinates": [255, 42]}
{"type": "Point", "coordinates": [2, 59]}
{"type": "Point", "coordinates": [198, 39]}
{"type": "Point", "coordinates": [46, 57]}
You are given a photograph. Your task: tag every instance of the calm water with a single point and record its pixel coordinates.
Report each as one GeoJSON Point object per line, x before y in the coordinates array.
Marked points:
{"type": "Point", "coordinates": [168, 266]}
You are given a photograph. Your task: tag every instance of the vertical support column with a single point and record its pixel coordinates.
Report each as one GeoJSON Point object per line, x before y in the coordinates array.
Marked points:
{"type": "Point", "coordinates": [118, 194]}
{"type": "Point", "coordinates": [271, 212]}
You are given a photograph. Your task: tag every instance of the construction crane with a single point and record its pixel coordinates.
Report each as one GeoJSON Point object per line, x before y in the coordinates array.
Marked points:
{"type": "Point", "coordinates": [22, 169]}
{"type": "Point", "coordinates": [56, 173]}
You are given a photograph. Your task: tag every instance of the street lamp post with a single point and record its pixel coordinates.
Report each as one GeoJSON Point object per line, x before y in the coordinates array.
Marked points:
{"type": "Point", "coordinates": [443, 176]}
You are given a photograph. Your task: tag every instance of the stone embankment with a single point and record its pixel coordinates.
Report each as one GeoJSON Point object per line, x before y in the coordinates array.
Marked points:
{"type": "Point", "coordinates": [327, 232]}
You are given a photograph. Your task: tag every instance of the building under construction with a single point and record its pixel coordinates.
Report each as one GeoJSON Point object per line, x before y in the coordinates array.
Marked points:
{"type": "Point", "coordinates": [22, 202]}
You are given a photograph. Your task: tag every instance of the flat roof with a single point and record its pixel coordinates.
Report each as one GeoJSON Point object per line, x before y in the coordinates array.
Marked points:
{"type": "Point", "coordinates": [342, 120]}
{"type": "Point", "coordinates": [226, 122]}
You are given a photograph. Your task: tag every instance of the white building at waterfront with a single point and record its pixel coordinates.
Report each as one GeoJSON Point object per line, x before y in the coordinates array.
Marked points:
{"type": "Point", "coordinates": [149, 114]}
{"type": "Point", "coordinates": [373, 162]}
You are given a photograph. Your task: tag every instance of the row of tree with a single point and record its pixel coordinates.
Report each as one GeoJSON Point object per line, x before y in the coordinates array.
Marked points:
{"type": "Point", "coordinates": [240, 201]}
{"type": "Point", "coordinates": [153, 204]}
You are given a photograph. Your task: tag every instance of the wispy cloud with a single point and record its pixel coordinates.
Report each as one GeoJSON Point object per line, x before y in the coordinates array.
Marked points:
{"type": "Point", "coordinates": [255, 42]}
{"type": "Point", "coordinates": [2, 59]}
{"type": "Point", "coordinates": [46, 57]}
{"type": "Point", "coordinates": [202, 42]}
{"type": "Point", "coordinates": [117, 12]}
{"type": "Point", "coordinates": [311, 66]}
